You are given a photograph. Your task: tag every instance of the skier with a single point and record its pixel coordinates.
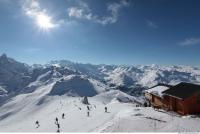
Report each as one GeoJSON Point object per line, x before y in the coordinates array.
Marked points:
{"type": "Point", "coordinates": [88, 107]}
{"type": "Point", "coordinates": [58, 125]}
{"type": "Point", "coordinates": [106, 109]}
{"type": "Point", "coordinates": [37, 123]}
{"type": "Point", "coordinates": [56, 121]}
{"type": "Point", "coordinates": [63, 116]}
{"type": "Point", "coordinates": [88, 113]}
{"type": "Point", "coordinates": [145, 104]}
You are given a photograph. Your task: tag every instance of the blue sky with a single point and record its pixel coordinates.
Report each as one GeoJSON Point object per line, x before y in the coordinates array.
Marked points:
{"type": "Point", "coordinates": [130, 32]}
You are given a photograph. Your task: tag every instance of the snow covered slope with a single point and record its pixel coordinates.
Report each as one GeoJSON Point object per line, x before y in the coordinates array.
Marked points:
{"type": "Point", "coordinates": [18, 78]}
{"type": "Point", "coordinates": [77, 85]}
{"type": "Point", "coordinates": [134, 119]}
{"type": "Point", "coordinates": [20, 114]}
{"type": "Point", "coordinates": [3, 92]}
{"type": "Point", "coordinates": [44, 92]}
{"type": "Point", "coordinates": [146, 76]}
{"type": "Point", "coordinates": [13, 74]}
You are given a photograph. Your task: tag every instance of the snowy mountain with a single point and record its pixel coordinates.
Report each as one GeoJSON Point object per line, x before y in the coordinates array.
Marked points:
{"type": "Point", "coordinates": [77, 85]}
{"type": "Point", "coordinates": [133, 79]}
{"type": "Point", "coordinates": [3, 92]}
{"type": "Point", "coordinates": [44, 92]}
{"type": "Point", "coordinates": [22, 111]}
{"type": "Point", "coordinates": [13, 76]}
{"type": "Point", "coordinates": [17, 78]}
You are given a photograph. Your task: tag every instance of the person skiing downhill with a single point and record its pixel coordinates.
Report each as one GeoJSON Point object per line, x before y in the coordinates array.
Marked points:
{"type": "Point", "coordinates": [106, 109]}
{"type": "Point", "coordinates": [37, 123]}
{"type": "Point", "coordinates": [63, 116]}
{"type": "Point", "coordinates": [88, 113]}
{"type": "Point", "coordinates": [88, 107]}
{"type": "Point", "coordinates": [58, 125]}
{"type": "Point", "coordinates": [56, 121]}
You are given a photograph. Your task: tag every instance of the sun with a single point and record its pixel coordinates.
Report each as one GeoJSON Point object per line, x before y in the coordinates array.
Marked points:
{"type": "Point", "coordinates": [44, 22]}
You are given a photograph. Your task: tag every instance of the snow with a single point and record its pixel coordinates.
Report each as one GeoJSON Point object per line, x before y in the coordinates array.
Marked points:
{"type": "Point", "coordinates": [149, 78]}
{"type": "Point", "coordinates": [149, 120]}
{"type": "Point", "coordinates": [46, 92]}
{"type": "Point", "coordinates": [157, 90]}
{"type": "Point", "coordinates": [20, 114]}
{"type": "Point", "coordinates": [43, 76]}
{"type": "Point", "coordinates": [3, 92]}
{"type": "Point", "coordinates": [25, 109]}
{"type": "Point", "coordinates": [112, 95]}
{"type": "Point", "coordinates": [77, 85]}
{"type": "Point", "coordinates": [20, 78]}
{"type": "Point", "coordinates": [56, 65]}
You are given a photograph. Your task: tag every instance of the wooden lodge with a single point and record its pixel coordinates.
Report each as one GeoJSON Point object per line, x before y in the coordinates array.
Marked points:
{"type": "Point", "coordinates": [183, 98]}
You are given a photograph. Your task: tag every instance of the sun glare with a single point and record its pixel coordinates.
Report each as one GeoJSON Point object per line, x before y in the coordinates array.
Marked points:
{"type": "Point", "coordinates": [44, 22]}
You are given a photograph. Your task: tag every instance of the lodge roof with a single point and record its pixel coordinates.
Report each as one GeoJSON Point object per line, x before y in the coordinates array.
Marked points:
{"type": "Point", "coordinates": [183, 90]}
{"type": "Point", "coordinates": [157, 90]}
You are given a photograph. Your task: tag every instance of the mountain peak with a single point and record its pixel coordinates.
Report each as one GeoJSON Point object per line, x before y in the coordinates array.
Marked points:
{"type": "Point", "coordinates": [3, 56]}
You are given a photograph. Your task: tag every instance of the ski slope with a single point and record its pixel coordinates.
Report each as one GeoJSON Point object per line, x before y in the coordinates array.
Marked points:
{"type": "Point", "coordinates": [20, 114]}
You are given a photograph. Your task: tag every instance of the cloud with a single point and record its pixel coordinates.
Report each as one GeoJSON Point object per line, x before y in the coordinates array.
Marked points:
{"type": "Point", "coordinates": [33, 10]}
{"type": "Point", "coordinates": [152, 24]}
{"type": "Point", "coordinates": [83, 11]}
{"type": "Point", "coordinates": [40, 15]}
{"type": "Point", "coordinates": [190, 42]}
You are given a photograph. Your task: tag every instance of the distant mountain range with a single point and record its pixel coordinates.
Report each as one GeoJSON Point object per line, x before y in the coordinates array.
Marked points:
{"type": "Point", "coordinates": [78, 79]}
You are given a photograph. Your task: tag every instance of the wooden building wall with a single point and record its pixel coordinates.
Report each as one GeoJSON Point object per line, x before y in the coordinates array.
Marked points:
{"type": "Point", "coordinates": [155, 100]}
{"type": "Point", "coordinates": [190, 105]}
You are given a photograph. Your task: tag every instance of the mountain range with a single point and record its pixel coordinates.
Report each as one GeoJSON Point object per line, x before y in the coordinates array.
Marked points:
{"type": "Point", "coordinates": [77, 79]}
{"type": "Point", "coordinates": [30, 93]}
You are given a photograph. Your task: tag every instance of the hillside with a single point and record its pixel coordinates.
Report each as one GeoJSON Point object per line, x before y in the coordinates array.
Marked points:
{"type": "Point", "coordinates": [19, 78]}
{"type": "Point", "coordinates": [43, 92]}
{"type": "Point", "coordinates": [21, 113]}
